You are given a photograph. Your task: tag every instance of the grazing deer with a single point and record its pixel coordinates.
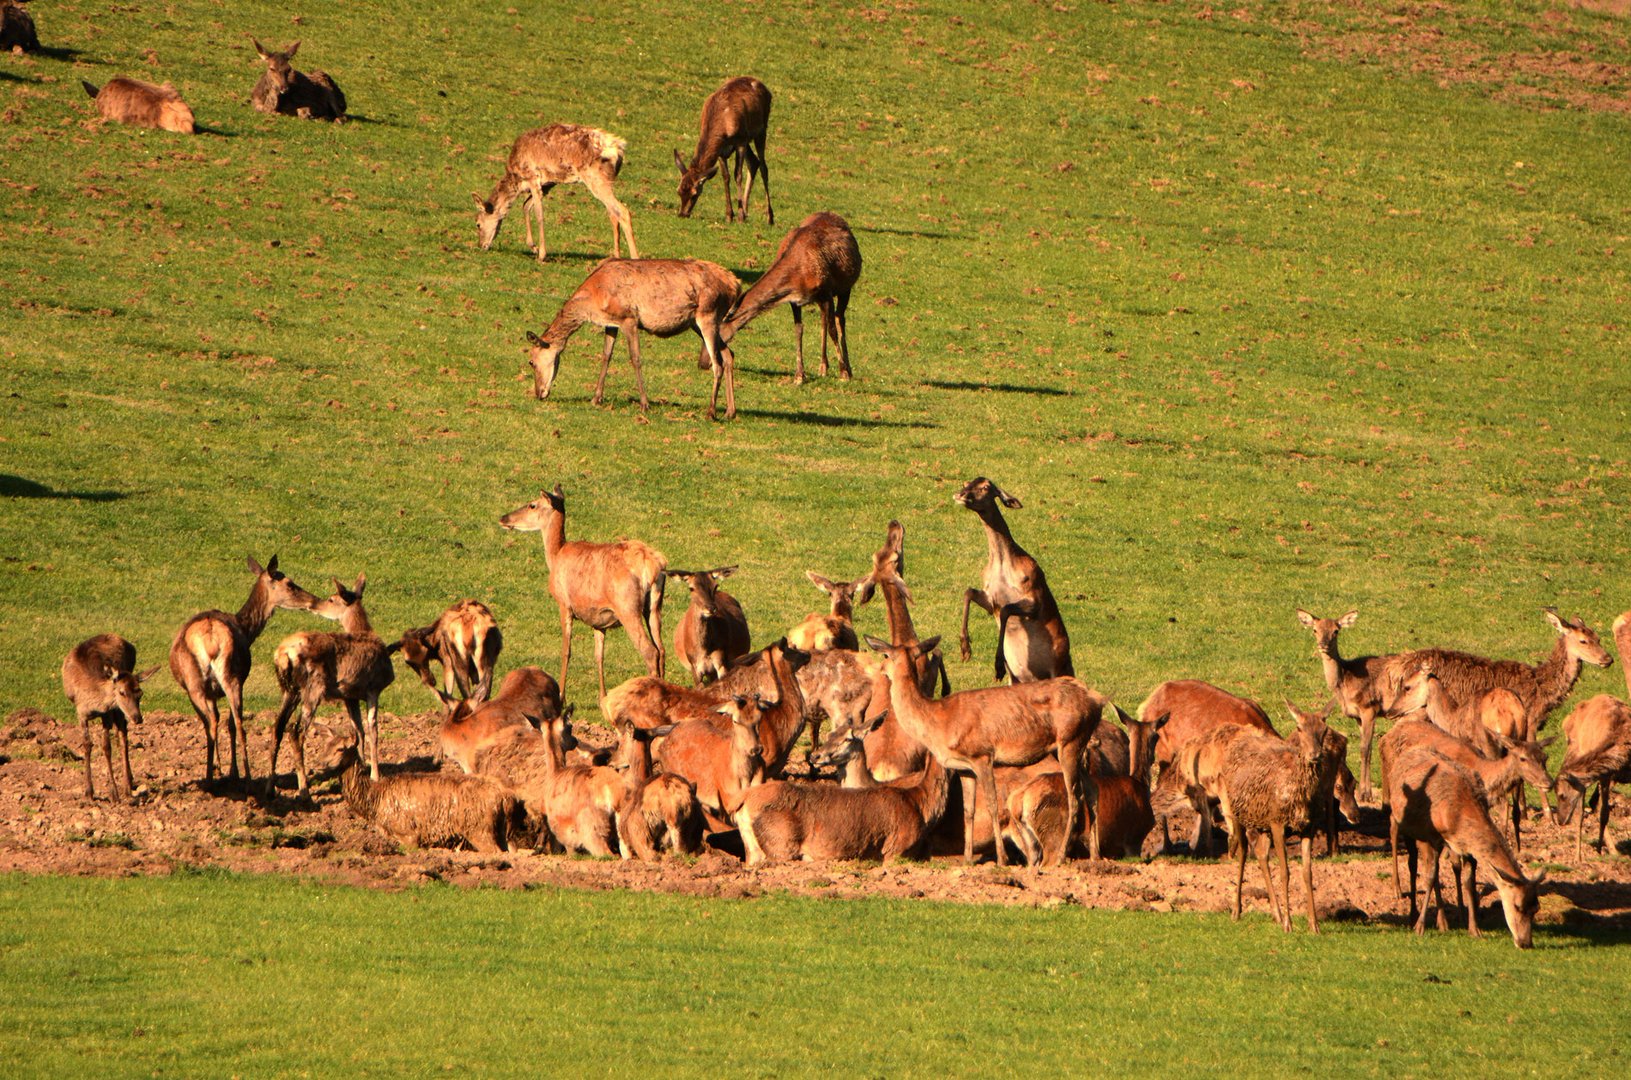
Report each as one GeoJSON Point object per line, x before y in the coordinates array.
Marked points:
{"type": "Point", "coordinates": [1439, 804]}
{"type": "Point", "coordinates": [784, 819]}
{"type": "Point", "coordinates": [601, 585]}
{"type": "Point", "coordinates": [661, 296]}
{"type": "Point", "coordinates": [282, 89]}
{"type": "Point", "coordinates": [98, 677]}
{"type": "Point", "coordinates": [836, 629]}
{"type": "Point", "coordinates": [528, 697]}
{"type": "Point", "coordinates": [1599, 750]}
{"type": "Point", "coordinates": [352, 666]}
{"type": "Point", "coordinates": [734, 122]}
{"type": "Point", "coordinates": [131, 101]}
{"type": "Point", "coordinates": [817, 263]}
{"type": "Point", "coordinates": [1180, 713]}
{"type": "Point", "coordinates": [466, 641]}
{"type": "Point", "coordinates": [656, 812]}
{"type": "Point", "coordinates": [713, 633]}
{"type": "Point", "coordinates": [210, 658]}
{"type": "Point", "coordinates": [433, 809]}
{"type": "Point", "coordinates": [558, 154]}
{"type": "Point", "coordinates": [17, 31]}
{"type": "Point", "coordinates": [974, 731]}
{"type": "Point", "coordinates": [1031, 640]}
{"type": "Point", "coordinates": [1355, 682]}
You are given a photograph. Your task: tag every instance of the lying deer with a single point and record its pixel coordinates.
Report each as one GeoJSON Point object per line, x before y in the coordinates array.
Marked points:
{"type": "Point", "coordinates": [98, 675]}
{"type": "Point", "coordinates": [712, 634]}
{"type": "Point", "coordinates": [836, 629]}
{"type": "Point", "coordinates": [282, 89]}
{"type": "Point", "coordinates": [818, 263]}
{"type": "Point", "coordinates": [557, 154]}
{"type": "Point", "coordinates": [787, 820]}
{"type": "Point", "coordinates": [601, 585]}
{"type": "Point", "coordinates": [655, 813]}
{"type": "Point", "coordinates": [661, 296]}
{"type": "Point", "coordinates": [433, 809]}
{"type": "Point", "coordinates": [142, 104]}
{"type": "Point", "coordinates": [648, 702]}
{"type": "Point", "coordinates": [723, 756]}
{"type": "Point", "coordinates": [466, 641]}
{"type": "Point", "coordinates": [1031, 640]}
{"type": "Point", "coordinates": [528, 697]}
{"type": "Point", "coordinates": [734, 122]}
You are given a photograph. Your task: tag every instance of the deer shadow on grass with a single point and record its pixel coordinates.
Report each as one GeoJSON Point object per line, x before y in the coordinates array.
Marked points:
{"type": "Point", "coordinates": [17, 487]}
{"type": "Point", "coordinates": [7, 76]}
{"type": "Point", "coordinates": [1003, 388]}
{"type": "Point", "coordinates": [823, 420]}
{"type": "Point", "coordinates": [919, 233]}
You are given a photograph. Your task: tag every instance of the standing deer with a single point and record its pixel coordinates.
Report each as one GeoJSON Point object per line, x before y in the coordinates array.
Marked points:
{"type": "Point", "coordinates": [1180, 713]}
{"type": "Point", "coordinates": [282, 89]}
{"type": "Point", "coordinates": [697, 737]}
{"type": "Point", "coordinates": [1355, 682]}
{"type": "Point", "coordinates": [836, 629]}
{"type": "Point", "coordinates": [466, 641]}
{"type": "Point", "coordinates": [888, 576]}
{"type": "Point", "coordinates": [655, 812]}
{"type": "Point", "coordinates": [558, 154]}
{"type": "Point", "coordinates": [818, 263]}
{"type": "Point", "coordinates": [17, 31]}
{"type": "Point", "coordinates": [1599, 737]}
{"type": "Point", "coordinates": [98, 677]}
{"type": "Point", "coordinates": [602, 585]}
{"type": "Point", "coordinates": [131, 101]}
{"type": "Point", "coordinates": [661, 296]}
{"type": "Point", "coordinates": [352, 666]}
{"type": "Point", "coordinates": [1031, 640]}
{"type": "Point", "coordinates": [724, 755]}
{"type": "Point", "coordinates": [734, 122]}
{"type": "Point", "coordinates": [209, 658]}
{"type": "Point", "coordinates": [713, 633]}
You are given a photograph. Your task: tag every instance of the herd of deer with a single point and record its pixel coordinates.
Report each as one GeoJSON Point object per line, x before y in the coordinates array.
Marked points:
{"type": "Point", "coordinates": [1046, 764]}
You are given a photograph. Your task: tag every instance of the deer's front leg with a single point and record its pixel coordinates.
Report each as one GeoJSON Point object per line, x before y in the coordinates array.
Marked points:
{"type": "Point", "coordinates": [972, 596]}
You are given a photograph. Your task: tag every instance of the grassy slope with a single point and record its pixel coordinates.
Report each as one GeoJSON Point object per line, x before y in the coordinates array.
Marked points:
{"type": "Point", "coordinates": [1321, 337]}
{"type": "Point", "coordinates": [197, 975]}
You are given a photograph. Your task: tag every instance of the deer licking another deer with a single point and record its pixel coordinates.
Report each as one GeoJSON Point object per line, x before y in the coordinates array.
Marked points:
{"type": "Point", "coordinates": [1031, 640]}
{"type": "Point", "coordinates": [98, 675]}
{"type": "Point", "coordinates": [818, 263]}
{"type": "Point", "coordinates": [734, 122]}
{"type": "Point", "coordinates": [282, 89]}
{"type": "Point", "coordinates": [557, 154]}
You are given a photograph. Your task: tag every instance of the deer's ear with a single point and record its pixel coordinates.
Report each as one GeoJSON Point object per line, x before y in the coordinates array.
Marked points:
{"type": "Point", "coordinates": [1348, 620]}
{"type": "Point", "coordinates": [291, 50]}
{"type": "Point", "coordinates": [1305, 618]}
{"type": "Point", "coordinates": [362, 579]}
{"type": "Point", "coordinates": [148, 674]}
{"type": "Point", "coordinates": [260, 49]}
{"type": "Point", "coordinates": [818, 581]}
{"type": "Point", "coordinates": [255, 567]}
{"type": "Point", "coordinates": [1008, 500]}
{"type": "Point", "coordinates": [271, 565]}
{"type": "Point", "coordinates": [481, 202]}
{"type": "Point", "coordinates": [680, 162]}
{"type": "Point", "coordinates": [1552, 617]}
{"type": "Point", "coordinates": [723, 572]}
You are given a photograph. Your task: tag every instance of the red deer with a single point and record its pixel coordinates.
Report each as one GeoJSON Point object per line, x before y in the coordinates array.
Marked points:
{"type": "Point", "coordinates": [976, 730]}
{"type": "Point", "coordinates": [98, 677]}
{"type": "Point", "coordinates": [1355, 682]}
{"type": "Point", "coordinates": [660, 296]}
{"type": "Point", "coordinates": [17, 31]}
{"type": "Point", "coordinates": [1599, 738]}
{"type": "Point", "coordinates": [788, 820]}
{"type": "Point", "coordinates": [655, 812]}
{"type": "Point", "coordinates": [131, 101]}
{"type": "Point", "coordinates": [845, 749]}
{"type": "Point", "coordinates": [1031, 640]}
{"type": "Point", "coordinates": [1036, 817]}
{"type": "Point", "coordinates": [1439, 804]}
{"type": "Point", "coordinates": [713, 633]}
{"type": "Point", "coordinates": [836, 629]}
{"type": "Point", "coordinates": [849, 689]}
{"type": "Point", "coordinates": [465, 640]}
{"type": "Point", "coordinates": [528, 697]}
{"type": "Point", "coordinates": [1180, 713]}
{"type": "Point", "coordinates": [600, 585]}
{"type": "Point", "coordinates": [209, 658]}
{"type": "Point", "coordinates": [734, 122]}
{"type": "Point", "coordinates": [573, 803]}
{"type": "Point", "coordinates": [817, 263]}
{"type": "Point", "coordinates": [722, 755]}
{"type": "Point", "coordinates": [648, 702]}
{"type": "Point", "coordinates": [433, 809]}
{"type": "Point", "coordinates": [892, 751]}
{"type": "Point", "coordinates": [558, 154]}
{"type": "Point", "coordinates": [282, 89]}
{"type": "Point", "coordinates": [351, 666]}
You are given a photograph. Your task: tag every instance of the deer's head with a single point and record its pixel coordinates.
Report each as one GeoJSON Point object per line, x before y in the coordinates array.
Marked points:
{"type": "Point", "coordinates": [1326, 630]}
{"type": "Point", "coordinates": [127, 691]}
{"type": "Point", "coordinates": [488, 220]}
{"type": "Point", "coordinates": [545, 358]}
{"type": "Point", "coordinates": [345, 606]}
{"type": "Point", "coordinates": [535, 516]}
{"type": "Point", "coordinates": [279, 68]}
{"type": "Point", "coordinates": [981, 495]}
{"type": "Point", "coordinates": [277, 588]}
{"type": "Point", "coordinates": [1579, 639]}
{"type": "Point", "coordinates": [691, 182]}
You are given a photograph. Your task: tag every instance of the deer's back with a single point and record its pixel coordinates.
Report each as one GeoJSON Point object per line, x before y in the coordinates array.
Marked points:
{"type": "Point", "coordinates": [737, 110]}
{"type": "Point", "coordinates": [1192, 709]}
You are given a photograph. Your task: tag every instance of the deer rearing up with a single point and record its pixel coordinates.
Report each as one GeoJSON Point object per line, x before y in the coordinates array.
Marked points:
{"type": "Point", "coordinates": [558, 154]}
{"type": "Point", "coordinates": [713, 632]}
{"type": "Point", "coordinates": [602, 585]}
{"type": "Point", "coordinates": [818, 263]}
{"type": "Point", "coordinates": [661, 296]}
{"type": "Point", "coordinates": [734, 120]}
{"type": "Point", "coordinates": [1031, 640]}
{"type": "Point", "coordinates": [131, 101]}
{"type": "Point", "coordinates": [282, 89]}
{"type": "Point", "coordinates": [98, 677]}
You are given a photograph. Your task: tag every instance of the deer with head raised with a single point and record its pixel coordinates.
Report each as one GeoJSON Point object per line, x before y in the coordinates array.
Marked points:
{"type": "Point", "coordinates": [210, 658]}
{"type": "Point", "coordinates": [98, 675]}
{"type": "Point", "coordinates": [660, 296]}
{"type": "Point", "coordinates": [818, 263]}
{"type": "Point", "coordinates": [557, 154]}
{"type": "Point", "coordinates": [722, 755]}
{"type": "Point", "coordinates": [713, 633]}
{"type": "Point", "coordinates": [1599, 737]}
{"type": "Point", "coordinates": [466, 641]}
{"type": "Point", "coordinates": [602, 585]}
{"type": "Point", "coordinates": [141, 104]}
{"type": "Point", "coordinates": [1355, 682]}
{"type": "Point", "coordinates": [282, 89]}
{"type": "Point", "coordinates": [1031, 640]}
{"type": "Point", "coordinates": [734, 122]}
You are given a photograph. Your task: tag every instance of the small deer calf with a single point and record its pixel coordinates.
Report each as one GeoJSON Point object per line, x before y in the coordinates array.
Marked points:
{"type": "Point", "coordinates": [97, 677]}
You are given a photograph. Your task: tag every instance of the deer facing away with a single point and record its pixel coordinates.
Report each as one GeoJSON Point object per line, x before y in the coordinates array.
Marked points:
{"type": "Point", "coordinates": [527, 697]}
{"type": "Point", "coordinates": [818, 263]}
{"type": "Point", "coordinates": [557, 154]}
{"type": "Point", "coordinates": [142, 104]}
{"type": "Point", "coordinates": [466, 641]}
{"type": "Point", "coordinates": [282, 89]}
{"type": "Point", "coordinates": [98, 675]}
{"type": "Point", "coordinates": [734, 122]}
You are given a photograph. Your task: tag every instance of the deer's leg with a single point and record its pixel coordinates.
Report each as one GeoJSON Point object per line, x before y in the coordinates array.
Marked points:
{"type": "Point", "coordinates": [730, 381]}
{"type": "Point", "coordinates": [538, 192]}
{"type": "Point", "coordinates": [1393, 849]}
{"type": "Point", "coordinates": [605, 362]}
{"type": "Point", "coordinates": [1264, 849]}
{"type": "Point", "coordinates": [825, 307]}
{"type": "Point", "coordinates": [729, 185]}
{"type": "Point", "coordinates": [286, 710]}
{"type": "Point", "coordinates": [601, 187]}
{"type": "Point", "coordinates": [566, 646]}
{"type": "Point", "coordinates": [968, 781]}
{"type": "Point", "coordinates": [239, 732]}
{"type": "Point", "coordinates": [1070, 763]}
{"type": "Point", "coordinates": [1412, 856]}
{"type": "Point", "coordinates": [747, 184]}
{"type": "Point", "coordinates": [987, 774]}
{"type": "Point", "coordinates": [600, 658]}
{"type": "Point", "coordinates": [974, 596]}
{"type": "Point", "coordinates": [1367, 731]}
{"type": "Point", "coordinates": [841, 325]}
{"type": "Point", "coordinates": [107, 755]}
{"type": "Point", "coordinates": [373, 735]}
{"type": "Point", "coordinates": [1240, 871]}
{"type": "Point", "coordinates": [209, 714]}
{"type": "Point", "coordinates": [1308, 883]}
{"type": "Point", "coordinates": [1279, 833]}
{"type": "Point", "coordinates": [1604, 790]}
{"type": "Point", "coordinates": [1429, 891]}
{"type": "Point", "coordinates": [1469, 887]}
{"type": "Point", "coordinates": [90, 754]}
{"type": "Point", "coordinates": [798, 342]}
{"type": "Point", "coordinates": [633, 329]}
{"type": "Point", "coordinates": [764, 173]}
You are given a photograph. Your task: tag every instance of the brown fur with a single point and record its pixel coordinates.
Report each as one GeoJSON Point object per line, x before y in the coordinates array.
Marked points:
{"type": "Point", "coordinates": [1183, 711]}
{"type": "Point", "coordinates": [734, 122]}
{"type": "Point", "coordinates": [1599, 736]}
{"type": "Point", "coordinates": [572, 803]}
{"type": "Point", "coordinates": [17, 31]}
{"type": "Point", "coordinates": [834, 630]}
{"type": "Point", "coordinates": [1354, 681]}
{"type": "Point", "coordinates": [888, 579]}
{"type": "Point", "coordinates": [713, 632]}
{"type": "Point", "coordinates": [846, 688]}
{"type": "Point", "coordinates": [131, 101]}
{"type": "Point", "coordinates": [786, 820]}
{"type": "Point", "coordinates": [558, 154]}
{"type": "Point", "coordinates": [466, 641]}
{"type": "Point", "coordinates": [1032, 643]}
{"type": "Point", "coordinates": [656, 813]}
{"type": "Point", "coordinates": [528, 697]}
{"type": "Point", "coordinates": [1036, 818]}
{"type": "Point", "coordinates": [433, 809]}
{"type": "Point", "coordinates": [282, 89]}
{"type": "Point", "coordinates": [817, 263]}
{"type": "Point", "coordinates": [648, 702]}
{"type": "Point", "coordinates": [600, 585]}
{"type": "Point", "coordinates": [98, 675]}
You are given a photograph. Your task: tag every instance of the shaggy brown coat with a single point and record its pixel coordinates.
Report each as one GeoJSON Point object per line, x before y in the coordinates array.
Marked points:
{"type": "Point", "coordinates": [98, 675]}
{"type": "Point", "coordinates": [466, 641]}
{"type": "Point", "coordinates": [142, 104]}
{"type": "Point", "coordinates": [656, 813]}
{"type": "Point", "coordinates": [17, 31]}
{"type": "Point", "coordinates": [558, 154]}
{"type": "Point", "coordinates": [433, 809]}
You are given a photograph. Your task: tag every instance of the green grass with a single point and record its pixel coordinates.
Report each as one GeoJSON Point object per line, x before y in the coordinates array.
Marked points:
{"type": "Point", "coordinates": [206, 974]}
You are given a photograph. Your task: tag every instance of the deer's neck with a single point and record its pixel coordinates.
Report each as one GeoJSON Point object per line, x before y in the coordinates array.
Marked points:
{"type": "Point", "coordinates": [509, 186]}
{"type": "Point", "coordinates": [253, 616]}
{"type": "Point", "coordinates": [358, 789]}
{"type": "Point", "coordinates": [1622, 644]}
{"type": "Point", "coordinates": [780, 725]}
{"type": "Point", "coordinates": [999, 542]}
{"type": "Point", "coordinates": [573, 314]}
{"type": "Point", "coordinates": [901, 630]}
{"type": "Point", "coordinates": [1331, 664]}
{"type": "Point", "coordinates": [907, 702]}
{"type": "Point", "coordinates": [355, 620]}
{"type": "Point", "coordinates": [932, 792]}
{"type": "Point", "coordinates": [1554, 678]}
{"type": "Point", "coordinates": [856, 773]}
{"type": "Point", "coordinates": [554, 535]}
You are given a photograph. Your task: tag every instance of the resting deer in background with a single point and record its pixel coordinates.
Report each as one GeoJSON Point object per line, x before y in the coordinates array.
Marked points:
{"type": "Point", "coordinates": [527, 698]}
{"type": "Point", "coordinates": [655, 812]}
{"type": "Point", "coordinates": [558, 154]}
{"type": "Point", "coordinates": [282, 89]}
{"type": "Point", "coordinates": [818, 263]}
{"type": "Point", "coordinates": [210, 658]}
{"type": "Point", "coordinates": [98, 677]}
{"type": "Point", "coordinates": [713, 633]}
{"type": "Point", "coordinates": [836, 629]}
{"type": "Point", "coordinates": [142, 104]}
{"type": "Point", "coordinates": [661, 296]}
{"type": "Point", "coordinates": [1355, 682]}
{"type": "Point", "coordinates": [466, 641]}
{"type": "Point", "coordinates": [601, 585]}
{"type": "Point", "coordinates": [17, 31]}
{"type": "Point", "coordinates": [734, 122]}
{"type": "Point", "coordinates": [1031, 640]}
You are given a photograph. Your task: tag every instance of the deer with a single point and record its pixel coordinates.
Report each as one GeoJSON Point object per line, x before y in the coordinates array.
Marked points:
{"type": "Point", "coordinates": [784, 819]}
{"type": "Point", "coordinates": [648, 702]}
{"type": "Point", "coordinates": [973, 731]}
{"type": "Point", "coordinates": [655, 812]}
{"type": "Point", "coordinates": [1032, 643]}
{"type": "Point", "coordinates": [141, 104]}
{"type": "Point", "coordinates": [852, 691]}
{"type": "Point", "coordinates": [432, 809]}
{"type": "Point", "coordinates": [282, 89]}
{"type": "Point", "coordinates": [99, 677]}
{"type": "Point", "coordinates": [1036, 816]}
{"type": "Point", "coordinates": [713, 633]}
{"type": "Point", "coordinates": [845, 750]}
{"type": "Point", "coordinates": [351, 666]}
{"type": "Point", "coordinates": [818, 263]}
{"type": "Point", "coordinates": [836, 629]}
{"type": "Point", "coordinates": [661, 296]}
{"type": "Point", "coordinates": [17, 31]}
{"type": "Point", "coordinates": [600, 585]}
{"type": "Point", "coordinates": [1598, 732]}
{"type": "Point", "coordinates": [722, 755]}
{"type": "Point", "coordinates": [466, 641]}
{"type": "Point", "coordinates": [734, 122]}
{"type": "Point", "coordinates": [1439, 804]}
{"type": "Point", "coordinates": [557, 154]}
{"type": "Point", "coordinates": [572, 803]}
{"type": "Point", "coordinates": [528, 697]}
{"type": "Point", "coordinates": [1355, 682]}
{"type": "Point", "coordinates": [1179, 713]}
{"type": "Point", "coordinates": [210, 658]}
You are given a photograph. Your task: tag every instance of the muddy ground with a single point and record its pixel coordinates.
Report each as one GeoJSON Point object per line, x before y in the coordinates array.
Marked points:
{"type": "Point", "coordinates": [47, 825]}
